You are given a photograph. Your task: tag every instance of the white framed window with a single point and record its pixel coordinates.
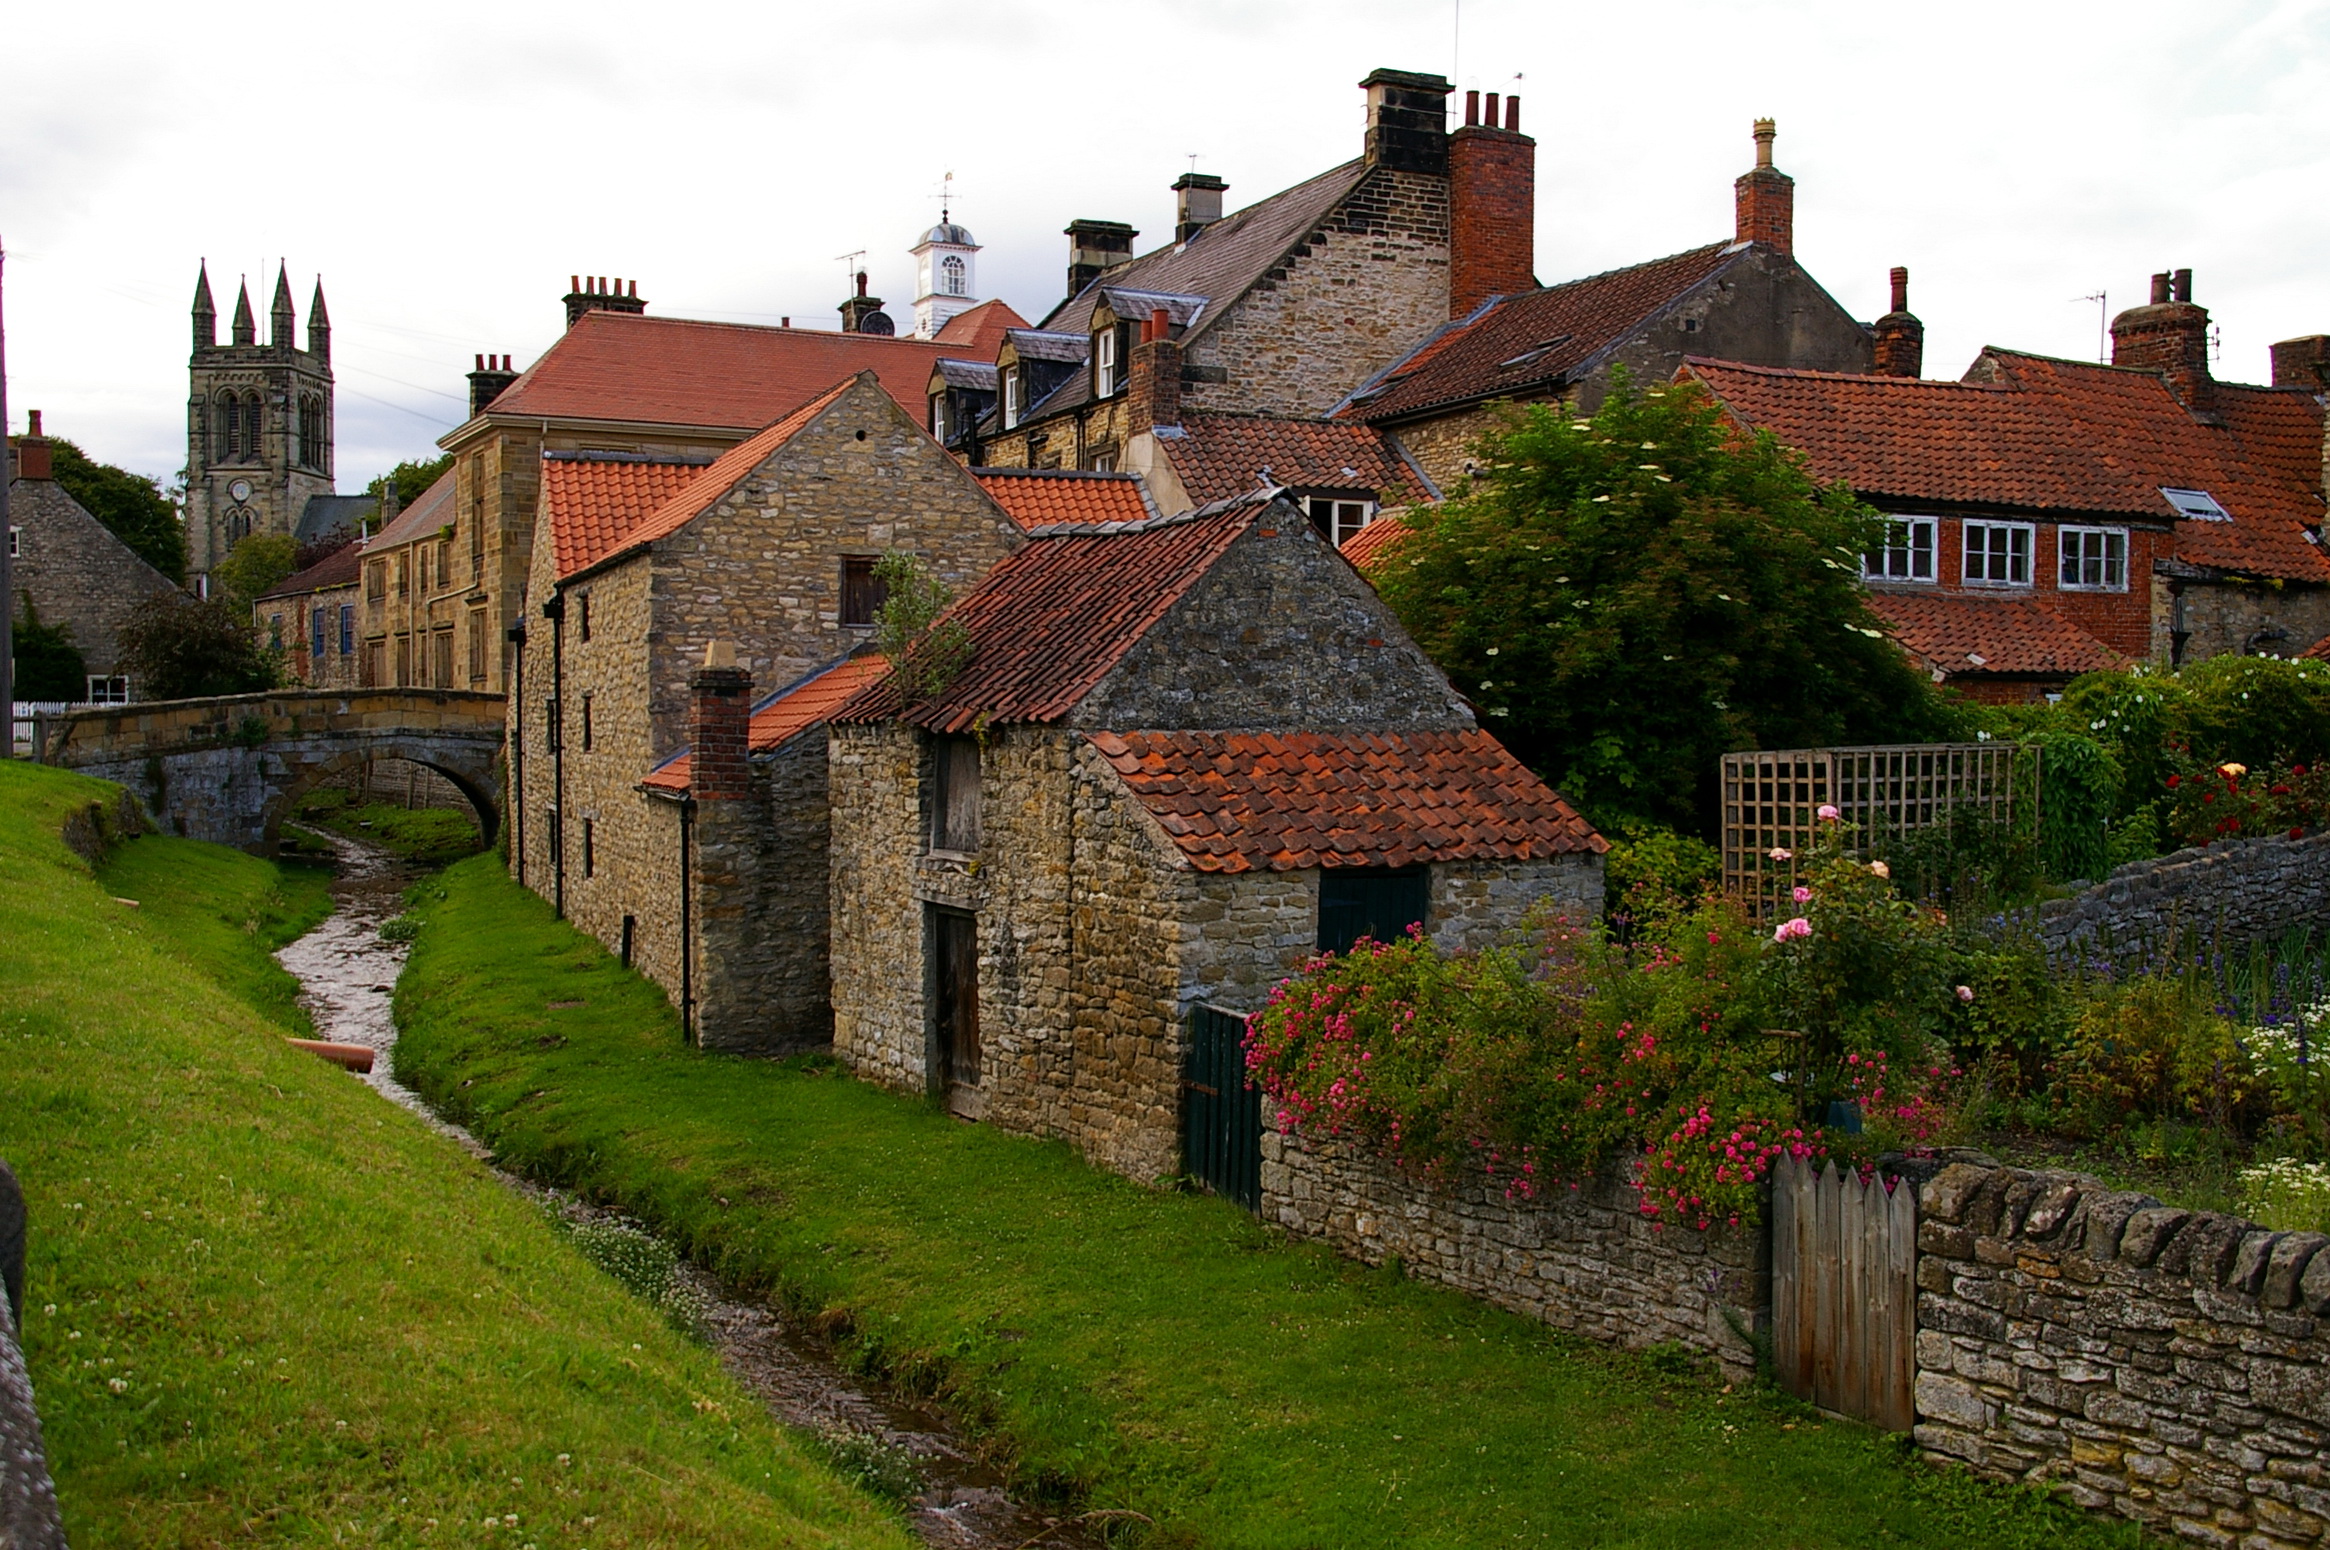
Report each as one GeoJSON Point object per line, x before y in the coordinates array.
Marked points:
{"type": "Point", "coordinates": [15, 540]}
{"type": "Point", "coordinates": [1105, 379]}
{"type": "Point", "coordinates": [2195, 505]}
{"type": "Point", "coordinates": [938, 415]}
{"type": "Point", "coordinates": [2095, 559]}
{"type": "Point", "coordinates": [1339, 519]}
{"type": "Point", "coordinates": [953, 276]}
{"type": "Point", "coordinates": [1907, 553]}
{"type": "Point", "coordinates": [1014, 405]}
{"type": "Point", "coordinates": [108, 691]}
{"type": "Point", "coordinates": [1998, 554]}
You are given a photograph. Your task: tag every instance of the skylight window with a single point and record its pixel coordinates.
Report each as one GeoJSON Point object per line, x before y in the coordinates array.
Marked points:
{"type": "Point", "coordinates": [1537, 353]}
{"type": "Point", "coordinates": [2196, 505]}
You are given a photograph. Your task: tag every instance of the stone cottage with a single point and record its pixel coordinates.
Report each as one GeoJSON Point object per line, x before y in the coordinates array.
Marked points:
{"type": "Point", "coordinates": [1187, 753]}
{"type": "Point", "coordinates": [312, 616]}
{"type": "Point", "coordinates": [710, 876]}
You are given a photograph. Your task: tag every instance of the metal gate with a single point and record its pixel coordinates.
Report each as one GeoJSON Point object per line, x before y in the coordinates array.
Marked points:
{"type": "Point", "coordinates": [1844, 1299]}
{"type": "Point", "coordinates": [1221, 1127]}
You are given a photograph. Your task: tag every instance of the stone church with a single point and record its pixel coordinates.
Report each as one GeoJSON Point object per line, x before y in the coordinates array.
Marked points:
{"type": "Point", "coordinates": [259, 429]}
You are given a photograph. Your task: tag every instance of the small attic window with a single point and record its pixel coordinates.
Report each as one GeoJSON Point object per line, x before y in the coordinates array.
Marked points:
{"type": "Point", "coordinates": [2196, 505]}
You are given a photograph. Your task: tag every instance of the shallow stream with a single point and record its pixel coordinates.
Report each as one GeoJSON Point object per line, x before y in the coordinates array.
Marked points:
{"type": "Point", "coordinates": [347, 974]}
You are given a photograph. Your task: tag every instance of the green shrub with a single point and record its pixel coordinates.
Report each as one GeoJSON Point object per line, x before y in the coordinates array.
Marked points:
{"type": "Point", "coordinates": [2015, 1023]}
{"type": "Point", "coordinates": [2079, 796]}
{"type": "Point", "coordinates": [2154, 1048]}
{"type": "Point", "coordinates": [1651, 873]}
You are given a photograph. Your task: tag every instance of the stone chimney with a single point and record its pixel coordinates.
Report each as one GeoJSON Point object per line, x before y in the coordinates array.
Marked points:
{"type": "Point", "coordinates": [1197, 203]}
{"type": "Point", "coordinates": [1764, 197]}
{"type": "Point", "coordinates": [592, 293]}
{"type": "Point", "coordinates": [33, 458]}
{"type": "Point", "coordinates": [488, 381]}
{"type": "Point", "coordinates": [2169, 335]}
{"type": "Point", "coordinates": [1095, 247]}
{"type": "Point", "coordinates": [2303, 363]}
{"type": "Point", "coordinates": [1900, 337]}
{"type": "Point", "coordinates": [1407, 121]}
{"type": "Point", "coordinates": [1153, 390]}
{"type": "Point", "coordinates": [720, 723]}
{"type": "Point", "coordinates": [863, 314]}
{"type": "Point", "coordinates": [1492, 206]}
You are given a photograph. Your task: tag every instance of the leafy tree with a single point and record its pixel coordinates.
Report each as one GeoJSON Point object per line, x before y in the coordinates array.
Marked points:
{"type": "Point", "coordinates": [1629, 597]}
{"type": "Point", "coordinates": [412, 480]}
{"type": "Point", "coordinates": [48, 666]}
{"type": "Point", "coordinates": [254, 567]}
{"type": "Point", "coordinates": [176, 647]}
{"type": "Point", "coordinates": [131, 505]}
{"type": "Point", "coordinates": [926, 652]}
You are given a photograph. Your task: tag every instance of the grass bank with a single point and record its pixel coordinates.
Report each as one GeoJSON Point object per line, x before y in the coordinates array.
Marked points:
{"type": "Point", "coordinates": [264, 1305]}
{"type": "Point", "coordinates": [1154, 1351]}
{"type": "Point", "coordinates": [431, 836]}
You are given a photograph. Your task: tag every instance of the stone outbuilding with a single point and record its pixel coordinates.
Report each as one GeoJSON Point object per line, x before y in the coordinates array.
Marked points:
{"type": "Point", "coordinates": [1186, 754]}
{"type": "Point", "coordinates": [709, 874]}
{"type": "Point", "coordinates": [70, 569]}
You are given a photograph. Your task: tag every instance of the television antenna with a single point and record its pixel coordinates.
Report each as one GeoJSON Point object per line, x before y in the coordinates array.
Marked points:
{"type": "Point", "coordinates": [2102, 332]}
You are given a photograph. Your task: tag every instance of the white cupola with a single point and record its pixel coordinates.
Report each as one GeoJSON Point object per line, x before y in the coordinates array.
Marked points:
{"type": "Point", "coordinates": [945, 280]}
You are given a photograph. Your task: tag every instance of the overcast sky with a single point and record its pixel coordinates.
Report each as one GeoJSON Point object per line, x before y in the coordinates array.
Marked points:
{"type": "Point", "coordinates": [446, 167]}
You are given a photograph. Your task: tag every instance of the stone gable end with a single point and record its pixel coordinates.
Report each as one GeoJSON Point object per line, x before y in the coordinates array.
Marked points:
{"type": "Point", "coordinates": [75, 572]}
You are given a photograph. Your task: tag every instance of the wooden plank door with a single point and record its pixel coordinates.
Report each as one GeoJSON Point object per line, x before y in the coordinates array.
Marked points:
{"type": "Point", "coordinates": [955, 944]}
{"type": "Point", "coordinates": [1844, 1300]}
{"type": "Point", "coordinates": [1221, 1116]}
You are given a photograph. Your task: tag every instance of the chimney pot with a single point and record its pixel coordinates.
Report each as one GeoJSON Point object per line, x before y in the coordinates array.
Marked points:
{"type": "Point", "coordinates": [1900, 288]}
{"type": "Point", "coordinates": [635, 287]}
{"type": "Point", "coordinates": [480, 359]}
{"type": "Point", "coordinates": [1472, 107]}
{"type": "Point", "coordinates": [574, 283]}
{"type": "Point", "coordinates": [2160, 289]}
{"type": "Point", "coordinates": [32, 422]}
{"type": "Point", "coordinates": [1160, 323]}
{"type": "Point", "coordinates": [1513, 114]}
{"type": "Point", "coordinates": [1492, 110]}
{"type": "Point", "coordinates": [1767, 130]}
{"type": "Point", "coordinates": [785, 322]}
{"type": "Point", "coordinates": [2183, 284]}
{"type": "Point", "coordinates": [861, 282]}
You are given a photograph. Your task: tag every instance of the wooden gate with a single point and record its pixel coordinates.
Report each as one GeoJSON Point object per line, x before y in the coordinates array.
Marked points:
{"type": "Point", "coordinates": [1221, 1127]}
{"type": "Point", "coordinates": [1844, 1299]}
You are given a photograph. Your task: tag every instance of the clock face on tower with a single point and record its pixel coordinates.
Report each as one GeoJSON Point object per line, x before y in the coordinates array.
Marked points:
{"type": "Point", "coordinates": [240, 489]}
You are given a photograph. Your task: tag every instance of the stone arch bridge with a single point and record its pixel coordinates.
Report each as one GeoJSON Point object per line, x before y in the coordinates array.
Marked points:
{"type": "Point", "coordinates": [228, 769]}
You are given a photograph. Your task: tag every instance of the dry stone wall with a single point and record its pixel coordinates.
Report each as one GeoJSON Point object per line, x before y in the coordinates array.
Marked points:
{"type": "Point", "coordinates": [2169, 1366]}
{"type": "Point", "coordinates": [2248, 891]}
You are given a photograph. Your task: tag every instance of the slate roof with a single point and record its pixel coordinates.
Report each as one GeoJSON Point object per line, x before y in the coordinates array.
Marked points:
{"type": "Point", "coordinates": [1366, 548]}
{"type": "Point", "coordinates": [1263, 801]}
{"type": "Point", "coordinates": [783, 716]}
{"type": "Point", "coordinates": [1042, 497]}
{"type": "Point", "coordinates": [1221, 455]}
{"type": "Point", "coordinates": [1227, 258]}
{"type": "Point", "coordinates": [430, 511]}
{"type": "Point", "coordinates": [340, 568]}
{"type": "Point", "coordinates": [2066, 438]}
{"type": "Point", "coordinates": [1533, 341]}
{"type": "Point", "coordinates": [1049, 621]}
{"type": "Point", "coordinates": [324, 515]}
{"type": "Point", "coordinates": [595, 499]}
{"type": "Point", "coordinates": [978, 376]}
{"type": "Point", "coordinates": [678, 371]}
{"type": "Point", "coordinates": [1962, 635]}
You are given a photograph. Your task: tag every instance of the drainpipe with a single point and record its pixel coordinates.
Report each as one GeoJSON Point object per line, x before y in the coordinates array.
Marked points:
{"type": "Point", "coordinates": [555, 731]}
{"type": "Point", "coordinates": [2177, 633]}
{"type": "Point", "coordinates": [687, 925]}
{"type": "Point", "coordinates": [516, 635]}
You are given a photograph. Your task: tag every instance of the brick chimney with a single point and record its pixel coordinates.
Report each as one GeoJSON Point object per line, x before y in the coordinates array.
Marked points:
{"type": "Point", "coordinates": [719, 732]}
{"type": "Point", "coordinates": [863, 314]}
{"type": "Point", "coordinates": [1154, 388]}
{"type": "Point", "coordinates": [33, 460]}
{"type": "Point", "coordinates": [2169, 335]}
{"type": "Point", "coordinates": [1764, 197]}
{"type": "Point", "coordinates": [592, 293]}
{"type": "Point", "coordinates": [1900, 337]}
{"type": "Point", "coordinates": [1197, 203]}
{"type": "Point", "coordinates": [488, 381]}
{"type": "Point", "coordinates": [1095, 247]}
{"type": "Point", "coordinates": [1407, 121]}
{"type": "Point", "coordinates": [1492, 206]}
{"type": "Point", "coordinates": [2303, 363]}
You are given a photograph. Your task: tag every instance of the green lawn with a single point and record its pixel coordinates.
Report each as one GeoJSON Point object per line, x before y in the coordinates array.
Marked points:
{"type": "Point", "coordinates": [264, 1305]}
{"type": "Point", "coordinates": [431, 836]}
{"type": "Point", "coordinates": [1126, 1347]}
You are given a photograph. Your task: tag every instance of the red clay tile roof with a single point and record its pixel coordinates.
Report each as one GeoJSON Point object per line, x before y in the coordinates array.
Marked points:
{"type": "Point", "coordinates": [1533, 341]}
{"type": "Point", "coordinates": [2317, 652]}
{"type": "Point", "coordinates": [677, 371]}
{"type": "Point", "coordinates": [978, 332]}
{"type": "Point", "coordinates": [1948, 631]}
{"type": "Point", "coordinates": [337, 569]}
{"type": "Point", "coordinates": [430, 510]}
{"type": "Point", "coordinates": [784, 715]}
{"type": "Point", "coordinates": [698, 495]}
{"type": "Point", "coordinates": [595, 500]}
{"type": "Point", "coordinates": [1367, 547]}
{"type": "Point", "coordinates": [1221, 455]}
{"type": "Point", "coordinates": [1049, 621]}
{"type": "Point", "coordinates": [2062, 437]}
{"type": "Point", "coordinates": [1040, 497]}
{"type": "Point", "coordinates": [1262, 801]}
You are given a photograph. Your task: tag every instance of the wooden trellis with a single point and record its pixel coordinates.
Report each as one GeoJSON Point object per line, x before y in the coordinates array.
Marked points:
{"type": "Point", "coordinates": [1772, 801]}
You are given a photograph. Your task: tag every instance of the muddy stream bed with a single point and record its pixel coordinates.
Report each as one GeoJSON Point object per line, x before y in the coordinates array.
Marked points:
{"type": "Point", "coordinates": [347, 974]}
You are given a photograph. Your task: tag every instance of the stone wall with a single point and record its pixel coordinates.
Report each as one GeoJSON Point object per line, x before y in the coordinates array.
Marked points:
{"type": "Point", "coordinates": [2169, 1366]}
{"type": "Point", "coordinates": [2249, 890]}
{"type": "Point", "coordinates": [73, 572]}
{"type": "Point", "coordinates": [2225, 614]}
{"type": "Point", "coordinates": [1586, 1261]}
{"type": "Point", "coordinates": [1474, 904]}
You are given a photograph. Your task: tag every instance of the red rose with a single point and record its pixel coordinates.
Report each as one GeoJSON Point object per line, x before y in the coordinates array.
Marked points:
{"type": "Point", "coordinates": [2297, 769]}
{"type": "Point", "coordinates": [2208, 796]}
{"type": "Point", "coordinates": [2281, 791]}
{"type": "Point", "coordinates": [2174, 781]}
{"type": "Point", "coordinates": [2297, 834]}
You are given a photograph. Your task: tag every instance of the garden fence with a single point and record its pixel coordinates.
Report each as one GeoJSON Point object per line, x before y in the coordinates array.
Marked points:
{"type": "Point", "coordinates": [1772, 800]}
{"type": "Point", "coordinates": [1844, 1299]}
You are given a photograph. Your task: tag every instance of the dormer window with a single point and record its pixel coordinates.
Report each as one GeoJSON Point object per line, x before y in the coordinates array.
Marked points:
{"type": "Point", "coordinates": [1014, 400]}
{"type": "Point", "coordinates": [938, 416]}
{"type": "Point", "coordinates": [1106, 378]}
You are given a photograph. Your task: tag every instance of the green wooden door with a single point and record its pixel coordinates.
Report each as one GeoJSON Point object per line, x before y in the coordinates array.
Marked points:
{"type": "Point", "coordinates": [1222, 1116]}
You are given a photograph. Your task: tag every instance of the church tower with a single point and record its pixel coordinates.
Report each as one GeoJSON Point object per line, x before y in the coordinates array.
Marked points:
{"type": "Point", "coordinates": [258, 422]}
{"type": "Point", "coordinates": [945, 282]}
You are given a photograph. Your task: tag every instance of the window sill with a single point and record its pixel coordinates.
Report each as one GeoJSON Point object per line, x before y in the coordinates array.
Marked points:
{"type": "Point", "coordinates": [1998, 586]}
{"type": "Point", "coordinates": [2118, 591]}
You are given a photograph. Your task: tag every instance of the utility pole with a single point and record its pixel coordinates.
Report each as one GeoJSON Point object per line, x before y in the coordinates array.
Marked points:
{"type": "Point", "coordinates": [7, 550]}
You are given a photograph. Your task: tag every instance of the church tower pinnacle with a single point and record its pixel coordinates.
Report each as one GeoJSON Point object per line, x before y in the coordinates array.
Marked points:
{"type": "Point", "coordinates": [246, 326]}
{"type": "Point", "coordinates": [205, 311]}
{"type": "Point", "coordinates": [281, 320]}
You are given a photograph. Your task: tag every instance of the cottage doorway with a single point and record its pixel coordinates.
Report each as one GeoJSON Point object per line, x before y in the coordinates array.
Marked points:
{"type": "Point", "coordinates": [1221, 1117]}
{"type": "Point", "coordinates": [955, 1002]}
